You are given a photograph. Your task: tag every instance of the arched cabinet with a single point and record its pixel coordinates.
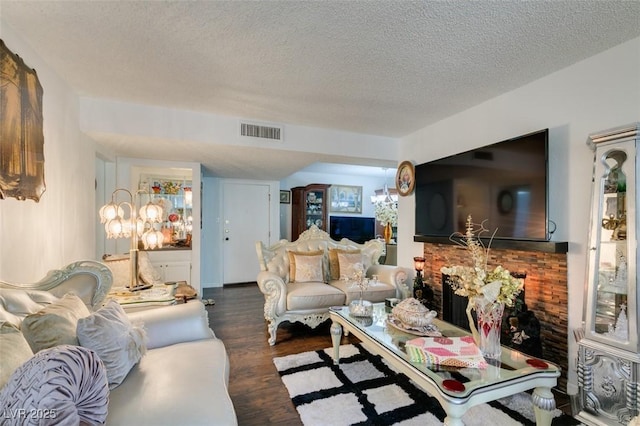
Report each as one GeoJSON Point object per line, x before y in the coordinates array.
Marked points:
{"type": "Point", "coordinates": [608, 354]}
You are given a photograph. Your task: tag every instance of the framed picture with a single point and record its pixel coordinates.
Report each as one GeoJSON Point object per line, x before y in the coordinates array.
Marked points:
{"type": "Point", "coordinates": [21, 134]}
{"type": "Point", "coordinates": [405, 178]}
{"type": "Point", "coordinates": [285, 197]}
{"type": "Point", "coordinates": [345, 199]}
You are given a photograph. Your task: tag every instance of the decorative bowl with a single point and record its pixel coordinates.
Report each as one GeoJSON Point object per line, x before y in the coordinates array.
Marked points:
{"type": "Point", "coordinates": [361, 308]}
{"type": "Point", "coordinates": [412, 313]}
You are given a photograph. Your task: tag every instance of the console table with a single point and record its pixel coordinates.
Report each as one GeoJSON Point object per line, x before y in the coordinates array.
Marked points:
{"type": "Point", "coordinates": [515, 373]}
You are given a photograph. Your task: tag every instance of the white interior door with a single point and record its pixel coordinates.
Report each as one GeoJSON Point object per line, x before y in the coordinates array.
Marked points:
{"type": "Point", "coordinates": [246, 220]}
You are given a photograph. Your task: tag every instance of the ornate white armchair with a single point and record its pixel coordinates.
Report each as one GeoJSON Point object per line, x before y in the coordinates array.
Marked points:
{"type": "Point", "coordinates": [300, 280]}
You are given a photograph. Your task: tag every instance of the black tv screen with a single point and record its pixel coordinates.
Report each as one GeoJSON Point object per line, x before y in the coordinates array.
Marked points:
{"type": "Point", "coordinates": [504, 183]}
{"type": "Point", "coordinates": [357, 229]}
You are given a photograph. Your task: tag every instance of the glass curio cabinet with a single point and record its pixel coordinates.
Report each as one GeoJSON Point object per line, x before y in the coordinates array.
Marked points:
{"type": "Point", "coordinates": [608, 353]}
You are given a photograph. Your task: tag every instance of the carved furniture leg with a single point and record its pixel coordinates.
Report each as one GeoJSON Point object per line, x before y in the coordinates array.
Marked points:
{"type": "Point", "coordinates": [273, 327]}
{"type": "Point", "coordinates": [543, 404]}
{"type": "Point", "coordinates": [336, 336]}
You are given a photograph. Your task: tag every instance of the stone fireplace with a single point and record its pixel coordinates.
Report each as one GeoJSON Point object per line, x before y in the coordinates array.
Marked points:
{"type": "Point", "coordinates": [545, 266]}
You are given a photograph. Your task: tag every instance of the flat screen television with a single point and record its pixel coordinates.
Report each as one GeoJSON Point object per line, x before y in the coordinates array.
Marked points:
{"type": "Point", "coordinates": [505, 183]}
{"type": "Point", "coordinates": [357, 229]}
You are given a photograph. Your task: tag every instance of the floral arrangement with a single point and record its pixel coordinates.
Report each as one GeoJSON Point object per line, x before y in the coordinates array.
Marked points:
{"type": "Point", "coordinates": [358, 278]}
{"type": "Point", "coordinates": [170, 187]}
{"type": "Point", "coordinates": [386, 212]}
{"type": "Point", "coordinates": [477, 281]}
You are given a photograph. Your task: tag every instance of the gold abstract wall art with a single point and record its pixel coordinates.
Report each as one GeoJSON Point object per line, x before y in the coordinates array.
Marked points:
{"type": "Point", "coordinates": [21, 134]}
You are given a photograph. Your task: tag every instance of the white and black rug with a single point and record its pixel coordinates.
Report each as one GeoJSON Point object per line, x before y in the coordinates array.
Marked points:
{"type": "Point", "coordinates": [364, 390]}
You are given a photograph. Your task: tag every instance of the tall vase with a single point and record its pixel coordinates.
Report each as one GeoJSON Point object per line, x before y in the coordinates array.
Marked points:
{"type": "Point", "coordinates": [388, 232]}
{"type": "Point", "coordinates": [487, 335]}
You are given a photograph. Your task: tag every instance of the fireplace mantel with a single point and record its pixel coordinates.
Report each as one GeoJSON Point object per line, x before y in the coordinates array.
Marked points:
{"type": "Point", "coordinates": [507, 244]}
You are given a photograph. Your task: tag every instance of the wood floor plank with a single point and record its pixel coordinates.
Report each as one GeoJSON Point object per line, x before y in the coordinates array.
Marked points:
{"type": "Point", "coordinates": [256, 390]}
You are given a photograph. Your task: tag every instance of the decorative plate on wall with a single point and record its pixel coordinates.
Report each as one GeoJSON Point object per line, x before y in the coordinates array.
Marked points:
{"type": "Point", "coordinates": [405, 178]}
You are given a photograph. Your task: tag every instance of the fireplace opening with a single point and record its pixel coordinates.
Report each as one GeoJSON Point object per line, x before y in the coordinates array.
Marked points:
{"type": "Point", "coordinates": [520, 326]}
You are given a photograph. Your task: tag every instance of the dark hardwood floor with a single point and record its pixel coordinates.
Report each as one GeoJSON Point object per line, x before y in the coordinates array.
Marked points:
{"type": "Point", "coordinates": [258, 395]}
{"type": "Point", "coordinates": [256, 390]}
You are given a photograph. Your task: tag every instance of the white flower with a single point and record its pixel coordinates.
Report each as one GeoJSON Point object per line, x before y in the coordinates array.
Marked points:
{"type": "Point", "coordinates": [478, 282]}
{"type": "Point", "coordinates": [386, 212]}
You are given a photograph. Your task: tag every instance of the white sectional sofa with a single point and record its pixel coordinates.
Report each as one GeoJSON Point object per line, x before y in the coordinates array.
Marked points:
{"type": "Point", "coordinates": [182, 378]}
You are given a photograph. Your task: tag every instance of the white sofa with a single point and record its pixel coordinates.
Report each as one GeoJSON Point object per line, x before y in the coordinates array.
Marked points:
{"type": "Point", "coordinates": [308, 301]}
{"type": "Point", "coordinates": [182, 378]}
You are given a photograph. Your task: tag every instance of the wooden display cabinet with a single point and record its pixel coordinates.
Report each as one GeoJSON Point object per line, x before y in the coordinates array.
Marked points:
{"type": "Point", "coordinates": [309, 207]}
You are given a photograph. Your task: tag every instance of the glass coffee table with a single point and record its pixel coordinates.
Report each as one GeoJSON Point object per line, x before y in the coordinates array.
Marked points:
{"type": "Point", "coordinates": [456, 392]}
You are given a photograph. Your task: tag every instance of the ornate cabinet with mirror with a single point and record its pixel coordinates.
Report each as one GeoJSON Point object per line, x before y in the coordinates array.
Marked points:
{"type": "Point", "coordinates": [608, 354]}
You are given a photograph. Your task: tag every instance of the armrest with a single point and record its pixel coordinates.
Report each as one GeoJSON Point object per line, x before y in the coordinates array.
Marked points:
{"type": "Point", "coordinates": [275, 293]}
{"type": "Point", "coordinates": [174, 324]}
{"type": "Point", "coordinates": [395, 275]}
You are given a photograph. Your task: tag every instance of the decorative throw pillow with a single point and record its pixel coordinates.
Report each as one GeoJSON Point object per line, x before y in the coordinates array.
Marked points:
{"type": "Point", "coordinates": [55, 324]}
{"type": "Point", "coordinates": [334, 264]}
{"type": "Point", "coordinates": [349, 262]}
{"type": "Point", "coordinates": [118, 264]}
{"type": "Point", "coordinates": [65, 385]}
{"type": "Point", "coordinates": [14, 351]}
{"type": "Point", "coordinates": [305, 266]}
{"type": "Point", "coordinates": [146, 271]}
{"type": "Point", "coordinates": [114, 338]}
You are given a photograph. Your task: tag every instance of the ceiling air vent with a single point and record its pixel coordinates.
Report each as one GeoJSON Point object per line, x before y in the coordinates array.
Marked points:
{"type": "Point", "coordinates": [262, 131]}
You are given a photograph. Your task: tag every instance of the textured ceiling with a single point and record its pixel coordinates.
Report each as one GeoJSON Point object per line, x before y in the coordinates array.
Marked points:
{"type": "Point", "coordinates": [386, 68]}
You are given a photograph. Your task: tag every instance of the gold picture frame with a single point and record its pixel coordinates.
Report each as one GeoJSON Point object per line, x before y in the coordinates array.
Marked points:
{"type": "Point", "coordinates": [405, 178]}
{"type": "Point", "coordinates": [345, 199]}
{"type": "Point", "coordinates": [21, 133]}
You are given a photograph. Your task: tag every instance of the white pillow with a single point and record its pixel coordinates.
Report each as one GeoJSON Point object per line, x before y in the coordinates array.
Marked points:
{"type": "Point", "coordinates": [114, 338]}
{"type": "Point", "coordinates": [65, 385]}
{"type": "Point", "coordinates": [146, 271]}
{"type": "Point", "coordinates": [55, 324]}
{"type": "Point", "coordinates": [14, 351]}
{"type": "Point", "coordinates": [121, 271]}
{"type": "Point", "coordinates": [306, 266]}
{"type": "Point", "coordinates": [119, 266]}
{"type": "Point", "coordinates": [349, 264]}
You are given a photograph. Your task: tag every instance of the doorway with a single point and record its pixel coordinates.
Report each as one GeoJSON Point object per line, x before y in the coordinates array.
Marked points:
{"type": "Point", "coordinates": [246, 219]}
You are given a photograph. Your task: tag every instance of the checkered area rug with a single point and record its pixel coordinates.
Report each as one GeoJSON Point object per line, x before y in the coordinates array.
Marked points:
{"type": "Point", "coordinates": [364, 390]}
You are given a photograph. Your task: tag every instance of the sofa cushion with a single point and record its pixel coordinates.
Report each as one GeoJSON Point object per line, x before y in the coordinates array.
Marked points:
{"type": "Point", "coordinates": [306, 266]}
{"type": "Point", "coordinates": [64, 385]}
{"type": "Point", "coordinates": [14, 350]}
{"type": "Point", "coordinates": [55, 324]}
{"type": "Point", "coordinates": [334, 262]}
{"type": "Point", "coordinates": [114, 338]}
{"type": "Point", "coordinates": [313, 295]}
{"type": "Point", "coordinates": [376, 291]}
{"type": "Point", "coordinates": [185, 383]}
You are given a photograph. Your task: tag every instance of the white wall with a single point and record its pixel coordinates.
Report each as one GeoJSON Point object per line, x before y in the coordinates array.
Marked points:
{"type": "Point", "coordinates": [38, 237]}
{"type": "Point", "coordinates": [595, 94]}
{"type": "Point", "coordinates": [101, 116]}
